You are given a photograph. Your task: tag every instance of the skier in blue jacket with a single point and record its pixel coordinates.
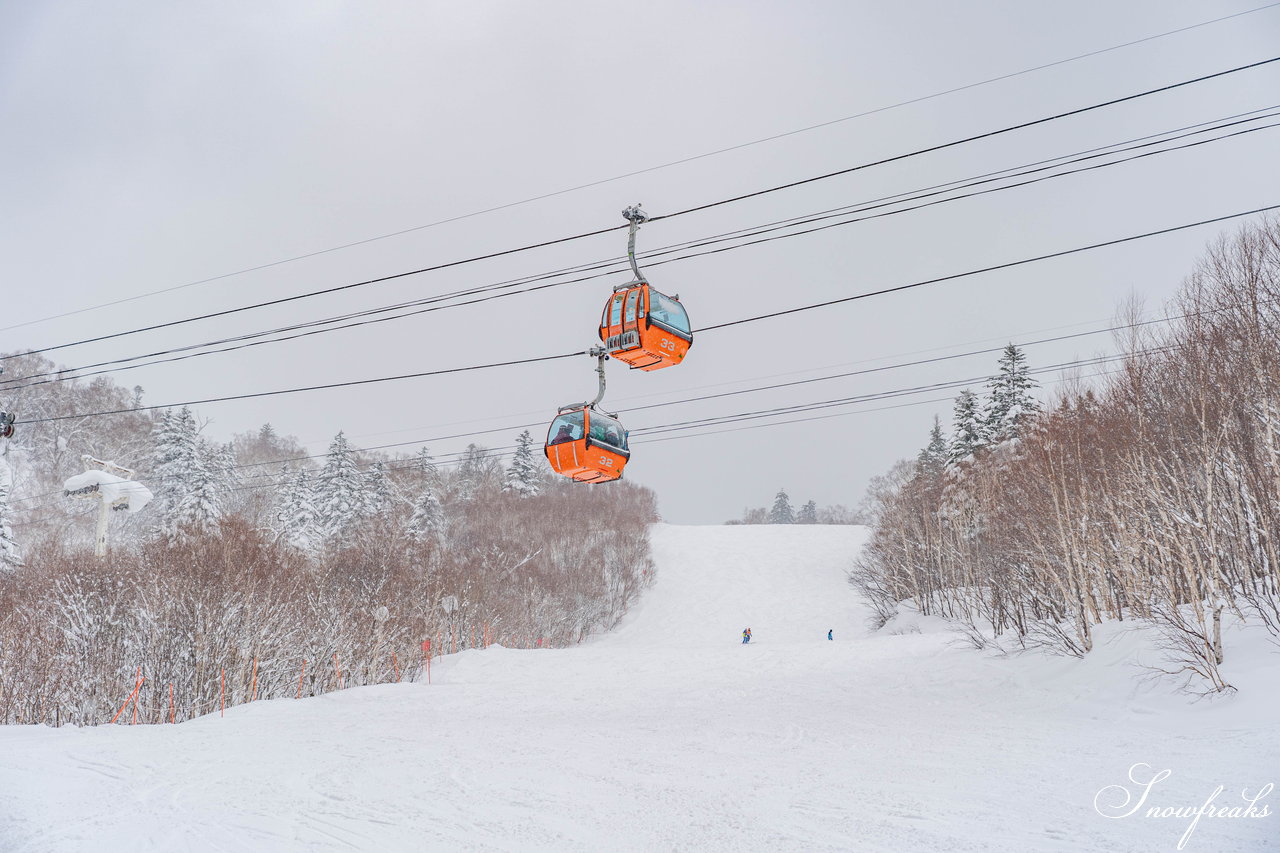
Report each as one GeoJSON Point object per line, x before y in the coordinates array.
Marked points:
{"type": "Point", "coordinates": [746, 636]}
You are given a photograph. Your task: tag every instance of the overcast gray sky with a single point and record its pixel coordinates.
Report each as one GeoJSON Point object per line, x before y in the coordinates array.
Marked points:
{"type": "Point", "coordinates": [149, 145]}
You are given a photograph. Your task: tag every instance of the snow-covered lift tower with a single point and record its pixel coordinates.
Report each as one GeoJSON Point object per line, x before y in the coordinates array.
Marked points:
{"type": "Point", "coordinates": [111, 484]}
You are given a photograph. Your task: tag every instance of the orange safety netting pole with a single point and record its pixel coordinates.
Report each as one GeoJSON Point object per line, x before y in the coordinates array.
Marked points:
{"type": "Point", "coordinates": [396, 665]}
{"type": "Point", "coordinates": [453, 641]}
{"type": "Point", "coordinates": [300, 677]}
{"type": "Point", "coordinates": [254, 694]}
{"type": "Point", "coordinates": [171, 711]}
{"type": "Point", "coordinates": [337, 669]}
{"type": "Point", "coordinates": [132, 694]}
{"type": "Point", "coordinates": [222, 694]}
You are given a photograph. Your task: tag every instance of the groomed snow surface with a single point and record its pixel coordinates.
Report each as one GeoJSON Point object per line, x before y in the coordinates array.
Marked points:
{"type": "Point", "coordinates": [668, 734]}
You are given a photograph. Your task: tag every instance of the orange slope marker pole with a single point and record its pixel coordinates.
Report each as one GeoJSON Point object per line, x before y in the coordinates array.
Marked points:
{"type": "Point", "coordinates": [137, 697]}
{"type": "Point", "coordinates": [301, 676]}
{"type": "Point", "coordinates": [254, 693]}
{"type": "Point", "coordinates": [395, 665]}
{"type": "Point", "coordinates": [337, 669]}
{"type": "Point", "coordinates": [132, 694]}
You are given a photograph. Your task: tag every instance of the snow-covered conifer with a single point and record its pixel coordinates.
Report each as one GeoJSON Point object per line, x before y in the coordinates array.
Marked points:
{"type": "Point", "coordinates": [782, 513]}
{"type": "Point", "coordinates": [968, 434]}
{"type": "Point", "coordinates": [808, 514]}
{"type": "Point", "coordinates": [10, 554]}
{"type": "Point", "coordinates": [1009, 400]}
{"type": "Point", "coordinates": [296, 515]}
{"type": "Point", "coordinates": [340, 493]}
{"type": "Point", "coordinates": [427, 522]}
{"type": "Point", "coordinates": [523, 475]}
{"type": "Point", "coordinates": [471, 472]}
{"type": "Point", "coordinates": [377, 490]}
{"type": "Point", "coordinates": [932, 460]}
{"type": "Point", "coordinates": [190, 475]}
{"type": "Point", "coordinates": [200, 506]}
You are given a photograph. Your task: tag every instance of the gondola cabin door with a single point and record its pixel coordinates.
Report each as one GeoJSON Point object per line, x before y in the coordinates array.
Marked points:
{"type": "Point", "coordinates": [586, 445]}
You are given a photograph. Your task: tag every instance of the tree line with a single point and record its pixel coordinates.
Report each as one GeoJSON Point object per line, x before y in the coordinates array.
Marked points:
{"type": "Point", "coordinates": [1151, 495]}
{"type": "Point", "coordinates": [252, 558]}
{"type": "Point", "coordinates": [783, 512]}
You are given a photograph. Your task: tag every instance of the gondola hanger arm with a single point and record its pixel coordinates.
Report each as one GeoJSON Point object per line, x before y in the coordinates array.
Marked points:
{"type": "Point", "coordinates": [636, 217]}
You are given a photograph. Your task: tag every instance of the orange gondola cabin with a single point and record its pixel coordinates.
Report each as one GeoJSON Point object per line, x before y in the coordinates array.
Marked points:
{"type": "Point", "coordinates": [587, 445]}
{"type": "Point", "coordinates": [644, 328]}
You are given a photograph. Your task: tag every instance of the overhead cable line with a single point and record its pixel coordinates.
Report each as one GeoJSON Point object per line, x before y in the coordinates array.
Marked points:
{"type": "Point", "coordinates": [951, 186]}
{"type": "Point", "coordinates": [702, 398]}
{"type": "Point", "coordinates": [964, 140]}
{"type": "Point", "coordinates": [755, 389]}
{"type": "Point", "coordinates": [646, 170]}
{"type": "Point", "coordinates": [506, 451]}
{"type": "Point", "coordinates": [685, 426]}
{"type": "Point", "coordinates": [238, 342]}
{"type": "Point", "coordinates": [882, 395]}
{"type": "Point", "coordinates": [1011, 264]}
{"type": "Point", "coordinates": [757, 318]}
{"type": "Point", "coordinates": [329, 386]}
{"type": "Point", "coordinates": [706, 206]}
{"type": "Point", "coordinates": [685, 435]}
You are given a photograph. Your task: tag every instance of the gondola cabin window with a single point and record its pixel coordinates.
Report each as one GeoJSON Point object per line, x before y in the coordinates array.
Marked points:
{"type": "Point", "coordinates": [567, 427]}
{"type": "Point", "coordinates": [668, 312]}
{"type": "Point", "coordinates": [605, 430]}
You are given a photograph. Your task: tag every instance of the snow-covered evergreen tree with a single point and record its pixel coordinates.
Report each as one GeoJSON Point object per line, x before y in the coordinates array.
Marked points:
{"type": "Point", "coordinates": [191, 476]}
{"type": "Point", "coordinates": [427, 523]}
{"type": "Point", "coordinates": [377, 491]}
{"type": "Point", "coordinates": [967, 434]}
{"type": "Point", "coordinates": [296, 515]}
{"type": "Point", "coordinates": [167, 451]}
{"type": "Point", "coordinates": [932, 461]}
{"type": "Point", "coordinates": [340, 494]}
{"type": "Point", "coordinates": [10, 554]}
{"type": "Point", "coordinates": [1009, 400]}
{"type": "Point", "coordinates": [200, 507]}
{"type": "Point", "coordinates": [470, 472]}
{"type": "Point", "coordinates": [782, 513]}
{"type": "Point", "coordinates": [808, 513]}
{"type": "Point", "coordinates": [523, 476]}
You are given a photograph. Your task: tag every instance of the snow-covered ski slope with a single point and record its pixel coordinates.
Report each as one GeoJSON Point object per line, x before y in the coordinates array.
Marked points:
{"type": "Point", "coordinates": [668, 734]}
{"type": "Point", "coordinates": [785, 583]}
